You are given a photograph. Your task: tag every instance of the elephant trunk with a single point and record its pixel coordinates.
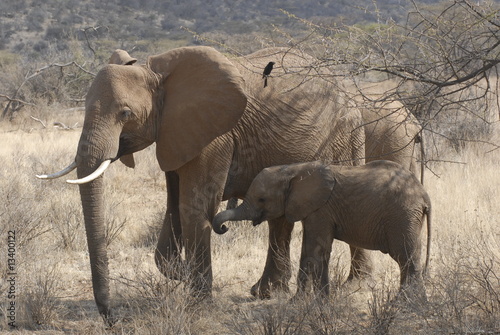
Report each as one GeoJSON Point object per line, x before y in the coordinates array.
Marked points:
{"type": "Point", "coordinates": [89, 157]}
{"type": "Point", "coordinates": [242, 212]}
{"type": "Point", "coordinates": [92, 197]}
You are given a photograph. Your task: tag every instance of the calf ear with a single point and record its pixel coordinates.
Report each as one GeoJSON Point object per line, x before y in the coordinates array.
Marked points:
{"type": "Point", "coordinates": [309, 189]}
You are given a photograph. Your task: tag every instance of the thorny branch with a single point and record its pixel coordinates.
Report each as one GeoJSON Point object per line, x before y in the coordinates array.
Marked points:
{"type": "Point", "coordinates": [442, 64]}
{"type": "Point", "coordinates": [15, 100]}
{"type": "Point", "coordinates": [32, 75]}
{"type": "Point", "coordinates": [85, 32]}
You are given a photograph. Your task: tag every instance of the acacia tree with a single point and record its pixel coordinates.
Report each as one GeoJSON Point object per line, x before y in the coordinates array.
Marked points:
{"type": "Point", "coordinates": [441, 62]}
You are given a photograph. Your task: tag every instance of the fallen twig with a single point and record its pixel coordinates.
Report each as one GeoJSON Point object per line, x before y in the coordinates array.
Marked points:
{"type": "Point", "coordinates": [62, 126]}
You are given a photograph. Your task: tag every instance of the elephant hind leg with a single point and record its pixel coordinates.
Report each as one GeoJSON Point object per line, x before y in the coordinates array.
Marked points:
{"type": "Point", "coordinates": [277, 271]}
{"type": "Point", "coordinates": [361, 264]}
{"type": "Point", "coordinates": [168, 250]}
{"type": "Point", "coordinates": [412, 283]}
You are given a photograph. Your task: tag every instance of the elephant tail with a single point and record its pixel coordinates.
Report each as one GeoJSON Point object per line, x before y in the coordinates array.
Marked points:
{"type": "Point", "coordinates": [422, 156]}
{"type": "Point", "coordinates": [427, 212]}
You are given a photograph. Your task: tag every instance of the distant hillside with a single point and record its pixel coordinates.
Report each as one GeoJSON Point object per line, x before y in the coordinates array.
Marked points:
{"type": "Point", "coordinates": [31, 27]}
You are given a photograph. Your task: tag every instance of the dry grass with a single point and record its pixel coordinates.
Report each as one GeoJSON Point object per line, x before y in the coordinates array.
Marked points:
{"type": "Point", "coordinates": [55, 294]}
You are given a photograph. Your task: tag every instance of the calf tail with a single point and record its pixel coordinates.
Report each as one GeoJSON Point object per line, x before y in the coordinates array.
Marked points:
{"type": "Point", "coordinates": [427, 212]}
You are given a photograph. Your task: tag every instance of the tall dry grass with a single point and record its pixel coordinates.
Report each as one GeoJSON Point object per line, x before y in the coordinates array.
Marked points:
{"type": "Point", "coordinates": [54, 288]}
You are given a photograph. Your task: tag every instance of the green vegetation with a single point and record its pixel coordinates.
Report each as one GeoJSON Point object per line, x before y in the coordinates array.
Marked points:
{"type": "Point", "coordinates": [33, 27]}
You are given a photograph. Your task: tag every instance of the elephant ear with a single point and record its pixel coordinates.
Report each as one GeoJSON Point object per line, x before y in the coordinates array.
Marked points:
{"type": "Point", "coordinates": [309, 189]}
{"type": "Point", "coordinates": [203, 99]}
{"type": "Point", "coordinates": [121, 57]}
{"type": "Point", "coordinates": [128, 160]}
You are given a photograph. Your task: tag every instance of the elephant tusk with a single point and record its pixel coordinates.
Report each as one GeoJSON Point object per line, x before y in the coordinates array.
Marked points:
{"type": "Point", "coordinates": [61, 173]}
{"type": "Point", "coordinates": [100, 170]}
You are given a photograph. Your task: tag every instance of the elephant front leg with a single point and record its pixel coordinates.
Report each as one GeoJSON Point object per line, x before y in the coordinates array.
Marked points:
{"type": "Point", "coordinates": [169, 247]}
{"type": "Point", "coordinates": [361, 264]}
{"type": "Point", "coordinates": [314, 268]}
{"type": "Point", "coordinates": [314, 258]}
{"type": "Point", "coordinates": [277, 271]}
{"type": "Point", "coordinates": [198, 207]}
{"type": "Point", "coordinates": [198, 257]}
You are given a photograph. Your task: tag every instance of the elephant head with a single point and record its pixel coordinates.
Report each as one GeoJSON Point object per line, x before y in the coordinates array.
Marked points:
{"type": "Point", "coordinates": [122, 57]}
{"type": "Point", "coordinates": [182, 100]}
{"type": "Point", "coordinates": [293, 191]}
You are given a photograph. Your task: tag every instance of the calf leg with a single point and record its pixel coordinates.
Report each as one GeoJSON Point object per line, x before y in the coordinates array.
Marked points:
{"type": "Point", "coordinates": [314, 259]}
{"type": "Point", "coordinates": [408, 259]}
{"type": "Point", "coordinates": [277, 271]}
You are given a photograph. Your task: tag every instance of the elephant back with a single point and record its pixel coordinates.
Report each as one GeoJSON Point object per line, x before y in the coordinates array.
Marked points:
{"type": "Point", "coordinates": [293, 81]}
{"type": "Point", "coordinates": [391, 132]}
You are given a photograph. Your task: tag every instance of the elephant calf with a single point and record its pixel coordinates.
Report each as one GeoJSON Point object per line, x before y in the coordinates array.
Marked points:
{"type": "Point", "coordinates": [378, 206]}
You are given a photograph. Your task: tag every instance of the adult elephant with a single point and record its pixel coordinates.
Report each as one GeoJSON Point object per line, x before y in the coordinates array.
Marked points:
{"type": "Point", "coordinates": [215, 127]}
{"type": "Point", "coordinates": [392, 133]}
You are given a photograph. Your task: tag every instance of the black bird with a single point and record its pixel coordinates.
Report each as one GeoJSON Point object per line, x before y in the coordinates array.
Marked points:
{"type": "Point", "coordinates": [267, 72]}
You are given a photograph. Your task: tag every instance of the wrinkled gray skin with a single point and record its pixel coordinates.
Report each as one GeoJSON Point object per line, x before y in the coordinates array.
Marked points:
{"type": "Point", "coordinates": [215, 128]}
{"type": "Point", "coordinates": [391, 133]}
{"type": "Point", "coordinates": [378, 206]}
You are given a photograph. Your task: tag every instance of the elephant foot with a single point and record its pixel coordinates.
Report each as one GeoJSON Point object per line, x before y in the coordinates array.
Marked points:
{"type": "Point", "coordinates": [359, 276]}
{"type": "Point", "coordinates": [360, 272]}
{"type": "Point", "coordinates": [109, 319]}
{"type": "Point", "coordinates": [201, 294]}
{"type": "Point", "coordinates": [320, 298]}
{"type": "Point", "coordinates": [264, 288]}
{"type": "Point", "coordinates": [360, 282]}
{"type": "Point", "coordinates": [297, 297]}
{"type": "Point", "coordinates": [361, 264]}
{"type": "Point", "coordinates": [173, 268]}
{"type": "Point", "coordinates": [366, 284]}
{"type": "Point", "coordinates": [199, 297]}
{"type": "Point", "coordinates": [176, 271]}
{"type": "Point", "coordinates": [413, 295]}
{"type": "Point", "coordinates": [200, 285]}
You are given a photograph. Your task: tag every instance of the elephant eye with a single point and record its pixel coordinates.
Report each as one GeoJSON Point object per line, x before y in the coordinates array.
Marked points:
{"type": "Point", "coordinates": [125, 115]}
{"type": "Point", "coordinates": [262, 200]}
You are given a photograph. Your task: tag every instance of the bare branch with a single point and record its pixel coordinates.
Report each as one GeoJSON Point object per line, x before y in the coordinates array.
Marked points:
{"type": "Point", "coordinates": [38, 120]}
{"type": "Point", "coordinates": [46, 67]}
{"type": "Point", "coordinates": [85, 30]}
{"type": "Point", "coordinates": [62, 126]}
{"type": "Point", "coordinates": [16, 100]}
{"type": "Point", "coordinates": [30, 76]}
